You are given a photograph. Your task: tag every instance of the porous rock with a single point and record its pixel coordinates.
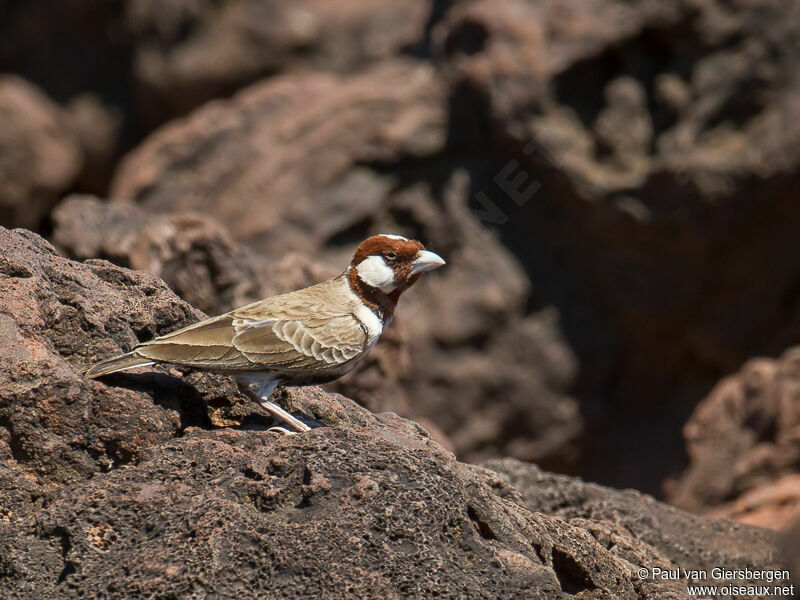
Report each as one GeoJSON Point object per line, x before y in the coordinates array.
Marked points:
{"type": "Point", "coordinates": [192, 253]}
{"type": "Point", "coordinates": [654, 148]}
{"type": "Point", "coordinates": [121, 487]}
{"type": "Point", "coordinates": [40, 155]}
{"type": "Point", "coordinates": [315, 163]}
{"type": "Point", "coordinates": [744, 446]}
{"type": "Point", "coordinates": [59, 316]}
{"type": "Point", "coordinates": [682, 538]}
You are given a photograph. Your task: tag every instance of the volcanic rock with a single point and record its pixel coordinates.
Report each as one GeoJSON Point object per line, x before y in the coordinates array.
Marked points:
{"type": "Point", "coordinates": [649, 183]}
{"type": "Point", "coordinates": [192, 253]}
{"type": "Point", "coordinates": [120, 488]}
{"type": "Point", "coordinates": [744, 446]}
{"type": "Point", "coordinates": [40, 155]}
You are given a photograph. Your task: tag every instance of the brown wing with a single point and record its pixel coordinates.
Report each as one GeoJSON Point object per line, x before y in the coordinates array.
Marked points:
{"type": "Point", "coordinates": [311, 329]}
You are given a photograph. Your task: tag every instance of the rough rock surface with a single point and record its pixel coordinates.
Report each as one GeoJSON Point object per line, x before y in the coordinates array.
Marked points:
{"type": "Point", "coordinates": [637, 159]}
{"type": "Point", "coordinates": [744, 445]}
{"type": "Point", "coordinates": [193, 254]}
{"type": "Point", "coordinates": [612, 515]}
{"type": "Point", "coordinates": [154, 60]}
{"type": "Point", "coordinates": [119, 488]}
{"type": "Point", "coordinates": [57, 317]}
{"type": "Point", "coordinates": [663, 141]}
{"type": "Point", "coordinates": [350, 163]}
{"type": "Point", "coordinates": [280, 173]}
{"type": "Point", "coordinates": [40, 155]}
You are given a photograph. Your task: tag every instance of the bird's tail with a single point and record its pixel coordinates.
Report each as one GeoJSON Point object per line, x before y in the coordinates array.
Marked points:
{"type": "Point", "coordinates": [118, 363]}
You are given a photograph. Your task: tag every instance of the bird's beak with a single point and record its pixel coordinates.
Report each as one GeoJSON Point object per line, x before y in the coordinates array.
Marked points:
{"type": "Point", "coordinates": [426, 261]}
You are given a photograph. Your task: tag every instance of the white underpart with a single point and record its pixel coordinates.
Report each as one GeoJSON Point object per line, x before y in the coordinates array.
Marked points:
{"type": "Point", "coordinates": [392, 236]}
{"type": "Point", "coordinates": [374, 271]}
{"type": "Point", "coordinates": [367, 317]}
{"type": "Point", "coordinates": [371, 322]}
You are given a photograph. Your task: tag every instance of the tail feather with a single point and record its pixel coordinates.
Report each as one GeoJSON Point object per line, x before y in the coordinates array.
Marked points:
{"type": "Point", "coordinates": [118, 363]}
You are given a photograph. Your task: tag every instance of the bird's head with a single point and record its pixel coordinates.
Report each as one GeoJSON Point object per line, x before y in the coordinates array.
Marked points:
{"type": "Point", "coordinates": [390, 264]}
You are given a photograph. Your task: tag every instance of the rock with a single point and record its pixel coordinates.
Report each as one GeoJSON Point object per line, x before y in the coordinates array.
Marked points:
{"type": "Point", "coordinates": [649, 167]}
{"type": "Point", "coordinates": [186, 55]}
{"type": "Point", "coordinates": [337, 513]}
{"type": "Point", "coordinates": [59, 316]}
{"type": "Point", "coordinates": [152, 61]}
{"type": "Point", "coordinates": [771, 505]}
{"type": "Point", "coordinates": [380, 164]}
{"type": "Point", "coordinates": [40, 156]}
{"type": "Point", "coordinates": [120, 488]}
{"type": "Point", "coordinates": [743, 445]}
{"type": "Point", "coordinates": [651, 527]}
{"type": "Point", "coordinates": [194, 255]}
{"type": "Point", "coordinates": [296, 173]}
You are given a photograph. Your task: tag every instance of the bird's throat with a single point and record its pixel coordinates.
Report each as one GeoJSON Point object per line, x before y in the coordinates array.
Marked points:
{"type": "Point", "coordinates": [381, 303]}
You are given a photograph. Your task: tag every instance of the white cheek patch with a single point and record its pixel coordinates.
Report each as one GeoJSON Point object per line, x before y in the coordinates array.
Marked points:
{"type": "Point", "coordinates": [374, 271]}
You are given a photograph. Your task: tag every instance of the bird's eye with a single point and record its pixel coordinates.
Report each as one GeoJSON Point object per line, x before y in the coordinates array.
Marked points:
{"type": "Point", "coordinates": [391, 256]}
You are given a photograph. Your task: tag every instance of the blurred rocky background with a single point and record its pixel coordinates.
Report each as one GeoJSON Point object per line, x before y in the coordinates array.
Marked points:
{"type": "Point", "coordinates": [613, 184]}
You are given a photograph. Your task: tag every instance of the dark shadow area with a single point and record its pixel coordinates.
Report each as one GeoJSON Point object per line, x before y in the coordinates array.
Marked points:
{"type": "Point", "coordinates": [166, 391]}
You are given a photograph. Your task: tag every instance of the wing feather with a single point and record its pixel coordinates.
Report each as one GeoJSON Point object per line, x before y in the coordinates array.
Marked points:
{"type": "Point", "coordinates": [311, 329]}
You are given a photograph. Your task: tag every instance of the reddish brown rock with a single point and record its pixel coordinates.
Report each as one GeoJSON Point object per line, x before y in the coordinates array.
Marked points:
{"type": "Point", "coordinates": [662, 140]}
{"type": "Point", "coordinates": [185, 56]}
{"type": "Point", "coordinates": [40, 156]}
{"type": "Point", "coordinates": [292, 170]}
{"type": "Point", "coordinates": [360, 155]}
{"type": "Point", "coordinates": [59, 316]}
{"type": "Point", "coordinates": [744, 446]}
{"type": "Point", "coordinates": [120, 488]}
{"type": "Point", "coordinates": [772, 505]}
{"type": "Point", "coordinates": [194, 255]}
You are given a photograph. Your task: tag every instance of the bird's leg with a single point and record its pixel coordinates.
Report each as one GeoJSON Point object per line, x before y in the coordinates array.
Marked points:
{"type": "Point", "coordinates": [262, 397]}
{"type": "Point", "coordinates": [277, 411]}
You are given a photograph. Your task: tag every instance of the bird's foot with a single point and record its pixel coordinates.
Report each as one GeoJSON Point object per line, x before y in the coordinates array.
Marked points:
{"type": "Point", "coordinates": [292, 421]}
{"type": "Point", "coordinates": [282, 430]}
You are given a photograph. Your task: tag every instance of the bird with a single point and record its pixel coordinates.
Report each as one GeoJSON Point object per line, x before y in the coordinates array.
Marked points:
{"type": "Point", "coordinates": [309, 336]}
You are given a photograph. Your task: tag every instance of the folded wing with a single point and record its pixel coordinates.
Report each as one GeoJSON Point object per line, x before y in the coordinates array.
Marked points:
{"type": "Point", "coordinates": [294, 333]}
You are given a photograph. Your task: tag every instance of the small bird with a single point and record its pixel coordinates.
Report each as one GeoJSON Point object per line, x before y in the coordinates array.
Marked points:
{"type": "Point", "coordinates": [309, 336]}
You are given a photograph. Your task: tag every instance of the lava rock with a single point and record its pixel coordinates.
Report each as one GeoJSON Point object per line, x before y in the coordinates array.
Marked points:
{"type": "Point", "coordinates": [40, 154]}
{"type": "Point", "coordinates": [380, 164]}
{"type": "Point", "coordinates": [649, 176]}
{"type": "Point", "coordinates": [121, 487]}
{"type": "Point", "coordinates": [192, 253]}
{"type": "Point", "coordinates": [651, 527]}
{"type": "Point", "coordinates": [743, 446]}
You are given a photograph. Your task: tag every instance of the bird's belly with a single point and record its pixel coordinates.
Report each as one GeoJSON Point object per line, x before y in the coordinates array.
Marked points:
{"type": "Point", "coordinates": [318, 378]}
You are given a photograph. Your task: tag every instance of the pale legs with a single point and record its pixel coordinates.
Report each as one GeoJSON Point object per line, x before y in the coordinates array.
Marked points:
{"type": "Point", "coordinates": [265, 388]}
